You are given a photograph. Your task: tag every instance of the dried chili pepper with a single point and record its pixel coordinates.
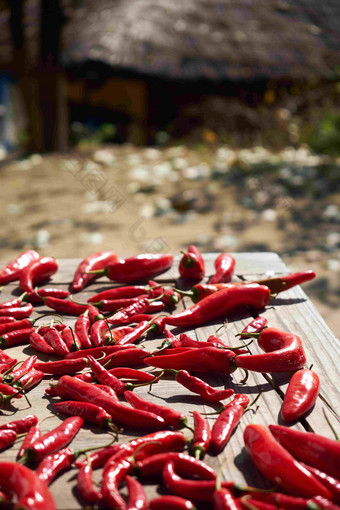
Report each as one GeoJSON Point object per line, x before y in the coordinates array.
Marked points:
{"type": "Point", "coordinates": [200, 387]}
{"type": "Point", "coordinates": [203, 290]}
{"type": "Point", "coordinates": [315, 450]}
{"type": "Point", "coordinates": [37, 295]}
{"type": "Point", "coordinates": [278, 465]}
{"type": "Point", "coordinates": [114, 474]}
{"type": "Point", "coordinates": [89, 412]}
{"type": "Point", "coordinates": [283, 353]}
{"type": "Point", "coordinates": [137, 497]}
{"type": "Point", "coordinates": [70, 339]}
{"type": "Point", "coordinates": [332, 484]}
{"type": "Point", "coordinates": [31, 492]}
{"type": "Point", "coordinates": [13, 326]}
{"type": "Point", "coordinates": [53, 440]}
{"type": "Point", "coordinates": [16, 337]}
{"type": "Point", "coordinates": [125, 358]}
{"type": "Point", "coordinates": [15, 302]}
{"type": "Point", "coordinates": [95, 261]}
{"type": "Point", "coordinates": [39, 343]}
{"type": "Point", "coordinates": [281, 283]}
{"type": "Point", "coordinates": [301, 394]}
{"type": "Point", "coordinates": [30, 379]}
{"type": "Point", "coordinates": [64, 306]}
{"type": "Point", "coordinates": [54, 339]}
{"type": "Point", "coordinates": [31, 437]}
{"type": "Point", "coordinates": [113, 305]}
{"type": "Point", "coordinates": [191, 265]}
{"type": "Point", "coordinates": [62, 367]}
{"type": "Point", "coordinates": [220, 304]}
{"type": "Point", "coordinates": [131, 373]}
{"type": "Point", "coordinates": [171, 503]}
{"type": "Point", "coordinates": [202, 436]}
{"type": "Point", "coordinates": [7, 438]}
{"type": "Point", "coordinates": [17, 312]}
{"type": "Point", "coordinates": [117, 333]}
{"type": "Point", "coordinates": [97, 332]}
{"type": "Point", "coordinates": [255, 326]}
{"type": "Point", "coordinates": [81, 330]}
{"type": "Point", "coordinates": [223, 499]}
{"type": "Point", "coordinates": [37, 271]}
{"type": "Point", "coordinates": [85, 484]}
{"type": "Point", "coordinates": [21, 426]}
{"type": "Point", "coordinates": [140, 306]}
{"type": "Point", "coordinates": [224, 266]}
{"type": "Point", "coordinates": [118, 293]}
{"type": "Point", "coordinates": [12, 271]}
{"type": "Point", "coordinates": [25, 367]}
{"type": "Point", "coordinates": [105, 377]}
{"type": "Point", "coordinates": [97, 352]}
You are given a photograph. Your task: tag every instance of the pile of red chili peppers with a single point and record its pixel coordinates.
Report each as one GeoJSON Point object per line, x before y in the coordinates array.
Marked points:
{"type": "Point", "coordinates": [97, 363]}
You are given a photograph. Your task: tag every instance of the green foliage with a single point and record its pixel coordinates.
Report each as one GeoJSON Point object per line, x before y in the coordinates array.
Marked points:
{"type": "Point", "coordinates": [325, 139]}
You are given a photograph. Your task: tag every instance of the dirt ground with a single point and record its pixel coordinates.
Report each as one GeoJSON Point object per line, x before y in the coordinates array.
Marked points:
{"type": "Point", "coordinates": [131, 199]}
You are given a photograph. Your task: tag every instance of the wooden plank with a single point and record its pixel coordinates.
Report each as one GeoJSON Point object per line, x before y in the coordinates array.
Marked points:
{"type": "Point", "coordinates": [292, 312]}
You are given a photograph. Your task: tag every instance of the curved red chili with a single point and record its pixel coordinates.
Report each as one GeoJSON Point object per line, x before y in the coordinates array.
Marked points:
{"type": "Point", "coordinates": [70, 339]}
{"type": "Point", "coordinates": [328, 481]}
{"type": "Point", "coordinates": [31, 437]}
{"type": "Point", "coordinates": [225, 424]}
{"type": "Point", "coordinates": [22, 425]}
{"type": "Point", "coordinates": [200, 387]}
{"type": "Point", "coordinates": [38, 295]}
{"type": "Point", "coordinates": [105, 377]}
{"type": "Point", "coordinates": [96, 261]}
{"type": "Point", "coordinates": [202, 436]}
{"type": "Point", "coordinates": [283, 353]}
{"type": "Point", "coordinates": [278, 465]}
{"type": "Point", "coordinates": [12, 271]}
{"type": "Point", "coordinates": [171, 503]}
{"type": "Point", "coordinates": [137, 497]}
{"type": "Point", "coordinates": [64, 306]}
{"type": "Point", "coordinates": [89, 412]}
{"type": "Point", "coordinates": [54, 339]}
{"type": "Point", "coordinates": [81, 330]}
{"type": "Point", "coordinates": [97, 332]}
{"type": "Point", "coordinates": [301, 394]}
{"type": "Point", "coordinates": [7, 438]}
{"type": "Point", "coordinates": [20, 336]}
{"type": "Point", "coordinates": [153, 464]}
{"type": "Point", "coordinates": [191, 265]}
{"type": "Point", "coordinates": [125, 358]}
{"type": "Point", "coordinates": [282, 283]}
{"type": "Point", "coordinates": [85, 484]}
{"type": "Point", "coordinates": [224, 266]}
{"type": "Point", "coordinates": [37, 271]}
{"type": "Point", "coordinates": [21, 312]}
{"type": "Point", "coordinates": [97, 352]}
{"type": "Point", "coordinates": [39, 343]}
{"type": "Point", "coordinates": [255, 326]}
{"type": "Point", "coordinates": [118, 293]}
{"type": "Point", "coordinates": [223, 499]}
{"type": "Point", "coordinates": [113, 474]}
{"type": "Point", "coordinates": [62, 367]}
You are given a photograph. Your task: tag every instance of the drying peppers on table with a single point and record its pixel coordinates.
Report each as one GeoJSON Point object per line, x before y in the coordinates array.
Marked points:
{"type": "Point", "coordinates": [100, 365]}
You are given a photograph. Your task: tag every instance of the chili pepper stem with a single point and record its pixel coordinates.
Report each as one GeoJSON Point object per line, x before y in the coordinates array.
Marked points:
{"type": "Point", "coordinates": [225, 324]}
{"type": "Point", "coordinates": [92, 448]}
{"type": "Point", "coordinates": [246, 375]}
{"type": "Point", "coordinates": [219, 411]}
{"type": "Point", "coordinates": [336, 435]}
{"type": "Point", "coordinates": [253, 402]}
{"type": "Point", "coordinates": [156, 378]}
{"type": "Point", "coordinates": [188, 293]}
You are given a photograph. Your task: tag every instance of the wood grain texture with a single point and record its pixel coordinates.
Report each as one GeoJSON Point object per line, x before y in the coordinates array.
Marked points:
{"type": "Point", "coordinates": [291, 311]}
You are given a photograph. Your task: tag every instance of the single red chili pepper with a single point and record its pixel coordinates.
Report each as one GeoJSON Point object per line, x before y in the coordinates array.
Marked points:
{"type": "Point", "coordinates": [171, 503]}
{"type": "Point", "coordinates": [125, 358]}
{"type": "Point", "coordinates": [172, 417]}
{"type": "Point", "coordinates": [279, 500]}
{"type": "Point", "coordinates": [153, 465]}
{"type": "Point", "coordinates": [114, 305]}
{"type": "Point", "coordinates": [199, 490]}
{"type": "Point", "coordinates": [282, 283]}
{"type": "Point", "coordinates": [76, 389]}
{"type": "Point", "coordinates": [332, 484]}
{"type": "Point", "coordinates": [255, 326]}
{"type": "Point", "coordinates": [37, 295]}
{"type": "Point", "coordinates": [53, 440]}
{"type": "Point", "coordinates": [95, 261]}
{"type": "Point", "coordinates": [223, 499]}
{"type": "Point", "coordinates": [248, 502]}
{"type": "Point", "coordinates": [136, 308]}
{"type": "Point", "coordinates": [137, 268]}
{"type": "Point", "coordinates": [323, 503]}
{"type": "Point", "coordinates": [278, 465]}
{"type": "Point", "coordinates": [155, 307]}
{"type": "Point", "coordinates": [25, 367]}
{"type": "Point", "coordinates": [224, 266]}
{"type": "Point", "coordinates": [113, 475]}
{"type": "Point", "coordinates": [85, 484]}
{"type": "Point", "coordinates": [4, 358]}
{"type": "Point", "coordinates": [136, 333]}
{"type": "Point", "coordinates": [207, 359]}
{"type": "Point", "coordinates": [17, 312]}
{"type": "Point", "coordinates": [54, 339]}
{"type": "Point", "coordinates": [93, 313]}
{"type": "Point", "coordinates": [62, 367]}
{"type": "Point", "coordinates": [97, 352]}
{"type": "Point", "coordinates": [169, 296]}
{"type": "Point", "coordinates": [117, 333]}
{"type": "Point", "coordinates": [315, 450]}
{"type": "Point", "coordinates": [301, 394]}
{"type": "Point", "coordinates": [7, 438]}
{"type": "Point", "coordinates": [191, 265]}
{"type": "Point", "coordinates": [86, 376]}
{"type": "Point", "coordinates": [58, 326]}
{"type": "Point", "coordinates": [105, 377]}
{"type": "Point", "coordinates": [97, 332]}
{"type": "Point", "coordinates": [21, 324]}
{"type": "Point", "coordinates": [283, 353]}
{"type": "Point", "coordinates": [202, 436]}
{"type": "Point", "coordinates": [139, 317]}
{"type": "Point", "coordinates": [81, 330]}
{"type": "Point", "coordinates": [64, 306]}
{"type": "Point", "coordinates": [6, 320]}
{"type": "Point", "coordinates": [39, 343]}
{"type": "Point", "coordinates": [30, 379]}
{"type": "Point", "coordinates": [8, 391]}
{"type": "Point", "coordinates": [13, 303]}
{"type": "Point", "coordinates": [20, 336]}
{"type": "Point", "coordinates": [21, 426]}
{"type": "Point", "coordinates": [37, 271]}
{"type": "Point", "coordinates": [131, 373]}
{"type": "Point", "coordinates": [89, 412]}
{"type": "Point", "coordinates": [118, 293]}
{"type": "Point", "coordinates": [99, 458]}
{"type": "Point", "coordinates": [220, 304]}
{"type": "Point", "coordinates": [200, 387]}
{"type": "Point", "coordinates": [70, 339]}
{"type": "Point", "coordinates": [31, 437]}
{"type": "Point", "coordinates": [214, 341]}
{"type": "Point", "coordinates": [137, 497]}
{"type": "Point", "coordinates": [12, 271]}
{"type": "Point", "coordinates": [30, 491]}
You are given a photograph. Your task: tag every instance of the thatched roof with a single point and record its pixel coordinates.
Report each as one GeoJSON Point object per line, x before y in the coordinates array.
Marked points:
{"type": "Point", "coordinates": [206, 39]}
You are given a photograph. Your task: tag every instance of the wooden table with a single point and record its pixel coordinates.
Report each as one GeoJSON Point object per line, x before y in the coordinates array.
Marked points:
{"type": "Point", "coordinates": [291, 311]}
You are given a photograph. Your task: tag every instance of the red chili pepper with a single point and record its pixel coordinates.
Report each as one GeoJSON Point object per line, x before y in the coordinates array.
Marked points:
{"type": "Point", "coordinates": [54, 440]}
{"type": "Point", "coordinates": [105, 377]}
{"type": "Point", "coordinates": [31, 437]}
{"type": "Point", "coordinates": [279, 500]}
{"type": "Point", "coordinates": [99, 458]}
{"type": "Point", "coordinates": [54, 339]}
{"type": "Point", "coordinates": [131, 373]}
{"type": "Point", "coordinates": [136, 308]}
{"type": "Point", "coordinates": [224, 266]}
{"type": "Point", "coordinates": [214, 341]}
{"type": "Point", "coordinates": [135, 334]}
{"type": "Point", "coordinates": [113, 305]}
{"type": "Point", "coordinates": [113, 475]}
{"type": "Point", "coordinates": [7, 438]}
{"type": "Point", "coordinates": [38, 342]}
{"type": "Point", "coordinates": [315, 450]}
{"type": "Point", "coordinates": [37, 295]}
{"type": "Point", "coordinates": [117, 333]}
{"type": "Point", "coordinates": [37, 271]}
{"type": "Point", "coordinates": [4, 358]}
{"type": "Point", "coordinates": [199, 490]}
{"type": "Point", "coordinates": [12, 271]}
{"type": "Point", "coordinates": [301, 394]}
{"type": "Point", "coordinates": [94, 262]}
{"type": "Point", "coordinates": [85, 485]}
{"type": "Point", "coordinates": [284, 353]}
{"type": "Point", "coordinates": [202, 436]}
{"type": "Point", "coordinates": [255, 326]}
{"type": "Point", "coordinates": [81, 328]}
{"type": "Point", "coordinates": [191, 265]}
{"type": "Point", "coordinates": [97, 352]}
{"type": "Point", "coordinates": [70, 339]}
{"type": "Point", "coordinates": [223, 499]}
{"type": "Point", "coordinates": [89, 412]}
{"type": "Point", "coordinates": [227, 421]}
{"type": "Point", "coordinates": [169, 296]}
{"type": "Point", "coordinates": [94, 313]}
{"type": "Point", "coordinates": [30, 491]}
{"type": "Point", "coordinates": [137, 268]}
{"type": "Point", "coordinates": [17, 312]}
{"type": "Point", "coordinates": [118, 293]}
{"type": "Point", "coordinates": [20, 336]}
{"type": "Point", "coordinates": [75, 389]}
{"type": "Point", "coordinates": [220, 304]}
{"type": "Point", "coordinates": [125, 358]}
{"type": "Point", "coordinates": [30, 379]}
{"type": "Point", "coordinates": [282, 283]}
{"type": "Point", "coordinates": [155, 307]}
{"type": "Point", "coordinates": [6, 320]}
{"type": "Point", "coordinates": [323, 503]}
{"type": "Point", "coordinates": [139, 317]}
{"type": "Point", "coordinates": [171, 503]}
{"type": "Point", "coordinates": [25, 367]}
{"type": "Point", "coordinates": [64, 306]}
{"type": "Point", "coordinates": [13, 326]}
{"type": "Point", "coordinates": [97, 332]}
{"type": "Point", "coordinates": [203, 290]}
{"type": "Point", "coordinates": [206, 391]}
{"type": "Point", "coordinates": [62, 367]}
{"type": "Point", "coordinates": [172, 417]}
{"type": "Point", "coordinates": [13, 303]}
{"type": "Point", "coordinates": [21, 426]}
{"type": "Point", "coordinates": [207, 359]}
{"type": "Point", "coordinates": [53, 464]}
{"type": "Point", "coordinates": [137, 497]}
{"type": "Point", "coordinates": [332, 484]}
{"type": "Point", "coordinates": [278, 465]}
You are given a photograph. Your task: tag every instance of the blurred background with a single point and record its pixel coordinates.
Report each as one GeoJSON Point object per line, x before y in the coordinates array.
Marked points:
{"type": "Point", "coordinates": [147, 125]}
